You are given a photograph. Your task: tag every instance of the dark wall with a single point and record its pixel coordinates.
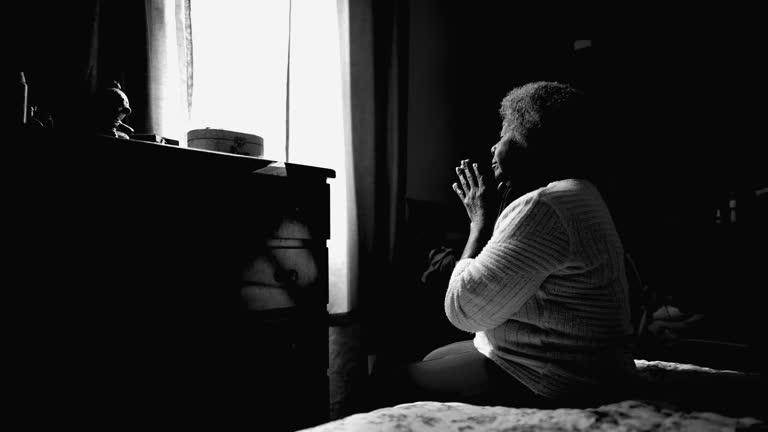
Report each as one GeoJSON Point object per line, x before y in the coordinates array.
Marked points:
{"type": "Point", "coordinates": [462, 61]}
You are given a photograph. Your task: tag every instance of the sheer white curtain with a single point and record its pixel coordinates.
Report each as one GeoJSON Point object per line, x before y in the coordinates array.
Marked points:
{"type": "Point", "coordinates": [168, 27]}
{"type": "Point", "coordinates": [242, 83]}
{"type": "Point", "coordinates": [317, 126]}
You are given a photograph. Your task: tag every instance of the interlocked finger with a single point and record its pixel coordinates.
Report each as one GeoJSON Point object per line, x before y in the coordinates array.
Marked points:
{"type": "Point", "coordinates": [477, 173]}
{"type": "Point", "coordinates": [468, 173]}
{"type": "Point", "coordinates": [458, 190]}
{"type": "Point", "coordinates": [464, 185]}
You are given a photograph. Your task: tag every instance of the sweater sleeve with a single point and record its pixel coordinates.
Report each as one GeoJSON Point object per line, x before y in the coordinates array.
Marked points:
{"type": "Point", "coordinates": [528, 244]}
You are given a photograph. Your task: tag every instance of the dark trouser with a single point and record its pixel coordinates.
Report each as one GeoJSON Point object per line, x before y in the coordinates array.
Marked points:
{"type": "Point", "coordinates": [454, 373]}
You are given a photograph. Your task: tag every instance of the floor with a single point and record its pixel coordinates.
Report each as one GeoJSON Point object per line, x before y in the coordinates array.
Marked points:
{"type": "Point", "coordinates": [350, 363]}
{"type": "Point", "coordinates": [348, 369]}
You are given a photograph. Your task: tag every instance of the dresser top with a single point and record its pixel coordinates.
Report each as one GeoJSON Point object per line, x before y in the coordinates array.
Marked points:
{"type": "Point", "coordinates": [102, 150]}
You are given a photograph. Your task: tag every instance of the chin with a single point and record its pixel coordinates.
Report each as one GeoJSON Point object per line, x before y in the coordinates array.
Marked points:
{"type": "Point", "coordinates": [498, 175]}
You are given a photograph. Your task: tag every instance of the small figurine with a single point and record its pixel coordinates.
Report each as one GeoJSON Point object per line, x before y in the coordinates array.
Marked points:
{"type": "Point", "coordinates": [109, 107]}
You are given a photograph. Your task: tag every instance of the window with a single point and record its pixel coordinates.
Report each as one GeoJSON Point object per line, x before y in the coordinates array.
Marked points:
{"type": "Point", "coordinates": [240, 52]}
{"type": "Point", "coordinates": [242, 83]}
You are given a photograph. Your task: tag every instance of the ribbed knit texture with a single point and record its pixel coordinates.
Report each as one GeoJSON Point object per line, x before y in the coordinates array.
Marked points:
{"type": "Point", "coordinates": [547, 296]}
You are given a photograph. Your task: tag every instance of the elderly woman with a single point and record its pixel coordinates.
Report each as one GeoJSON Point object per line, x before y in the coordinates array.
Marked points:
{"type": "Point", "coordinates": [541, 281]}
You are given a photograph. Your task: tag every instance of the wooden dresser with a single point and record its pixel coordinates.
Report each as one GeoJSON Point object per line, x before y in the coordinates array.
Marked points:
{"type": "Point", "coordinates": [153, 280]}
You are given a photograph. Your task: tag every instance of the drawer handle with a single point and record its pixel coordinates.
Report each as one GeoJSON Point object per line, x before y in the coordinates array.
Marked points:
{"type": "Point", "coordinates": [286, 276]}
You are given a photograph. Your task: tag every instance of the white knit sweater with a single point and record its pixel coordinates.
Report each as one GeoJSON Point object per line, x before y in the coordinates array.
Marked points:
{"type": "Point", "coordinates": [547, 296]}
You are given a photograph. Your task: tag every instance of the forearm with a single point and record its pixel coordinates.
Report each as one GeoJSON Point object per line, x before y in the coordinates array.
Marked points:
{"type": "Point", "coordinates": [496, 276]}
{"type": "Point", "coordinates": [478, 237]}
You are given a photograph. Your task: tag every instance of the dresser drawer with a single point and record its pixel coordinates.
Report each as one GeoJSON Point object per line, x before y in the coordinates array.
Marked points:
{"type": "Point", "coordinates": [307, 217]}
{"type": "Point", "coordinates": [284, 277]}
{"type": "Point", "coordinates": [286, 210]}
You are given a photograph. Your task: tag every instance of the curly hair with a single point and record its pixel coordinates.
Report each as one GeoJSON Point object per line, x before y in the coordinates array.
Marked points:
{"type": "Point", "coordinates": [554, 120]}
{"type": "Point", "coordinates": [545, 110]}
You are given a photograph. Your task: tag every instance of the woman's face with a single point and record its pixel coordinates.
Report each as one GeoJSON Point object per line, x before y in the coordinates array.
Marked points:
{"type": "Point", "coordinates": [506, 154]}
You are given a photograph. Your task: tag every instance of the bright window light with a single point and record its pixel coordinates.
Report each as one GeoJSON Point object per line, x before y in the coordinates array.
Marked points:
{"type": "Point", "coordinates": [316, 122]}
{"type": "Point", "coordinates": [240, 60]}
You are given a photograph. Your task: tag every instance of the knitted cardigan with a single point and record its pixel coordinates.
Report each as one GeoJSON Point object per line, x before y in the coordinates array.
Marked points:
{"type": "Point", "coordinates": [547, 296]}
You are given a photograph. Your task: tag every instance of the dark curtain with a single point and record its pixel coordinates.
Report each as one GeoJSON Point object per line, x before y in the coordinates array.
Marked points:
{"type": "Point", "coordinates": [378, 80]}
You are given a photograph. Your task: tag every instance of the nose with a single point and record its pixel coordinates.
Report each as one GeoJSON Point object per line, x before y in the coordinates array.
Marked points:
{"type": "Point", "coordinates": [493, 149]}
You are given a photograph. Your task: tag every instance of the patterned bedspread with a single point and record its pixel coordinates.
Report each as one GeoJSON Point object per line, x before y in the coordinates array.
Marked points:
{"type": "Point", "coordinates": [686, 398]}
{"type": "Point", "coordinates": [458, 417]}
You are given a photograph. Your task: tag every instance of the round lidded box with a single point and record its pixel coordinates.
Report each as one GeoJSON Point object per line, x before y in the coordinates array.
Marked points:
{"type": "Point", "coordinates": [225, 141]}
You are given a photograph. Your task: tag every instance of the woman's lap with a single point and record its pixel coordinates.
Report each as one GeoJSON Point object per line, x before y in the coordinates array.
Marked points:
{"type": "Point", "coordinates": [455, 373]}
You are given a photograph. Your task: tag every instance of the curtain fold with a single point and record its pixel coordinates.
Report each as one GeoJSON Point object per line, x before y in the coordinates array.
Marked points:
{"type": "Point", "coordinates": [377, 116]}
{"type": "Point", "coordinates": [169, 79]}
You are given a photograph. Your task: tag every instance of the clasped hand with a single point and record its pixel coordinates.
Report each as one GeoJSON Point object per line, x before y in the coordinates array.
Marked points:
{"type": "Point", "coordinates": [479, 200]}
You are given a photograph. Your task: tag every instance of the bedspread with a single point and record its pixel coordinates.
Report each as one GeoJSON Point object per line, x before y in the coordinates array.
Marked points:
{"type": "Point", "coordinates": [684, 398]}
{"type": "Point", "coordinates": [443, 417]}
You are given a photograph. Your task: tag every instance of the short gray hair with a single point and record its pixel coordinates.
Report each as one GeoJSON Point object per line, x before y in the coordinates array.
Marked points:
{"type": "Point", "coordinates": [544, 113]}
{"type": "Point", "coordinates": [556, 122]}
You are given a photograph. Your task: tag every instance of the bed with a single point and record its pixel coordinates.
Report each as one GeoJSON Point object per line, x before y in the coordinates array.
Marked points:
{"type": "Point", "coordinates": [671, 397]}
